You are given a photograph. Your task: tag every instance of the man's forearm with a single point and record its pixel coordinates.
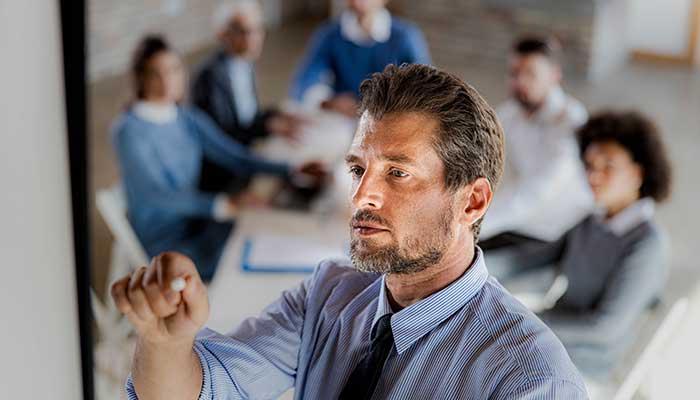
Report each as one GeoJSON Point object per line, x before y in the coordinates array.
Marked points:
{"type": "Point", "coordinates": [166, 371]}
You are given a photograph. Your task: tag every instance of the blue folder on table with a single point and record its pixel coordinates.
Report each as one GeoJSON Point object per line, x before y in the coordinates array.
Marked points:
{"type": "Point", "coordinates": [285, 254]}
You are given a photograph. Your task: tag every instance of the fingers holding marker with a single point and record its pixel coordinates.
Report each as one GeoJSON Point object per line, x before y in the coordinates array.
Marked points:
{"type": "Point", "coordinates": [155, 296]}
{"type": "Point", "coordinates": [137, 296]}
{"type": "Point", "coordinates": [182, 287]}
{"type": "Point", "coordinates": [119, 296]}
{"type": "Point", "coordinates": [171, 276]}
{"type": "Point", "coordinates": [178, 284]}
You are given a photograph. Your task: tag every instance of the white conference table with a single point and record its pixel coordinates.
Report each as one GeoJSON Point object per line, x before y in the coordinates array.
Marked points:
{"type": "Point", "coordinates": [235, 294]}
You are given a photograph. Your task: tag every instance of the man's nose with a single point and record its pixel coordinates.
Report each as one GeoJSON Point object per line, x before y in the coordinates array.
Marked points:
{"type": "Point", "coordinates": [369, 192]}
{"type": "Point", "coordinates": [594, 176]}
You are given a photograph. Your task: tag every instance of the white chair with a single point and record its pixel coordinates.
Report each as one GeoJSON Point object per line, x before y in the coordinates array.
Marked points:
{"type": "Point", "coordinates": [114, 347]}
{"type": "Point", "coordinates": [127, 253]}
{"type": "Point", "coordinates": [653, 348]}
{"type": "Point", "coordinates": [631, 379]}
{"type": "Point", "coordinates": [112, 206]}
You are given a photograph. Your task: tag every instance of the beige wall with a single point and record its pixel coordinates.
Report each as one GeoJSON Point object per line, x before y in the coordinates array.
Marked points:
{"type": "Point", "coordinates": [659, 26]}
{"type": "Point", "coordinates": [115, 26]}
{"type": "Point", "coordinates": [39, 339]}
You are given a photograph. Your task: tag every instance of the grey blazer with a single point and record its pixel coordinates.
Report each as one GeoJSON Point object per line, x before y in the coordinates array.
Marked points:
{"type": "Point", "coordinates": [211, 91]}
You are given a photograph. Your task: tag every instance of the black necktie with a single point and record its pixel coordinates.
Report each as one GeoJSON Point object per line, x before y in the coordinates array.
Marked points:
{"type": "Point", "coordinates": [364, 378]}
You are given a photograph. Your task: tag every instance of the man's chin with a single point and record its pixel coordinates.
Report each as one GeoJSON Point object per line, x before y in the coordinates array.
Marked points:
{"type": "Point", "coordinates": [528, 105]}
{"type": "Point", "coordinates": [367, 256]}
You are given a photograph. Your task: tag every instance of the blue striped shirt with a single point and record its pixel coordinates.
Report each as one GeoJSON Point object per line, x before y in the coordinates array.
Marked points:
{"type": "Point", "coordinates": [470, 340]}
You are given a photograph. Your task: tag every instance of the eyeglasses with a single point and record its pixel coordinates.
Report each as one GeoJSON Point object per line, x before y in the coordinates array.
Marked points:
{"type": "Point", "coordinates": [237, 30]}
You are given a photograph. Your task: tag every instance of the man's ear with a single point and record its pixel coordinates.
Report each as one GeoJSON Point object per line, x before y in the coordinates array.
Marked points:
{"type": "Point", "coordinates": [475, 200]}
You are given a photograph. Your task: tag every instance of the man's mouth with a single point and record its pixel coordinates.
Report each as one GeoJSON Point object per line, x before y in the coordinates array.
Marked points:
{"type": "Point", "coordinates": [367, 228]}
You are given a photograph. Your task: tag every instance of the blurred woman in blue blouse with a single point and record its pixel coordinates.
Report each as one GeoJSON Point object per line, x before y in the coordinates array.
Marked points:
{"type": "Point", "coordinates": [160, 145]}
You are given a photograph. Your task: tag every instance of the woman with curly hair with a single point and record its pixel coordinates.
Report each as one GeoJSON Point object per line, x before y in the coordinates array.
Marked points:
{"type": "Point", "coordinates": [616, 259]}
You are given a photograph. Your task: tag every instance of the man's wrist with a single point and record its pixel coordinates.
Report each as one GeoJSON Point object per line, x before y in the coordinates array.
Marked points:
{"type": "Point", "coordinates": [222, 211]}
{"type": "Point", "coordinates": [166, 345]}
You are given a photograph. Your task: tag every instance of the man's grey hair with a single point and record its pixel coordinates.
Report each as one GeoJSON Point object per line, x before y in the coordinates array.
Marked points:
{"type": "Point", "coordinates": [470, 139]}
{"type": "Point", "coordinates": [229, 9]}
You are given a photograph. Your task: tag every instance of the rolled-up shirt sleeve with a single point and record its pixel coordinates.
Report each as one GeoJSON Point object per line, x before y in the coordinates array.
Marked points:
{"type": "Point", "coordinates": [259, 358]}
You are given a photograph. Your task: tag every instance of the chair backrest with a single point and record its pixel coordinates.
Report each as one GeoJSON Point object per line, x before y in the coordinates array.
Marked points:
{"type": "Point", "coordinates": [665, 319]}
{"type": "Point", "coordinates": [112, 206]}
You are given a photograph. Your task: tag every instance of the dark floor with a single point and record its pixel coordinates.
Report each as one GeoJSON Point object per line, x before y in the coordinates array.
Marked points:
{"type": "Point", "coordinates": [671, 95]}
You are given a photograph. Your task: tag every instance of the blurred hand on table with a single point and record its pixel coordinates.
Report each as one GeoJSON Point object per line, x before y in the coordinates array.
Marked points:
{"type": "Point", "coordinates": [287, 125]}
{"type": "Point", "coordinates": [312, 175]}
{"type": "Point", "coordinates": [345, 104]}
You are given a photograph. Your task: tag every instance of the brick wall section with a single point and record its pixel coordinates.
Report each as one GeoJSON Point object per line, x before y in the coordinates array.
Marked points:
{"type": "Point", "coordinates": [115, 26]}
{"type": "Point", "coordinates": [479, 33]}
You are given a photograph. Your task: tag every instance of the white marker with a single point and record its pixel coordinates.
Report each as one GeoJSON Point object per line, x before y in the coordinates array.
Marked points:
{"type": "Point", "coordinates": [178, 284]}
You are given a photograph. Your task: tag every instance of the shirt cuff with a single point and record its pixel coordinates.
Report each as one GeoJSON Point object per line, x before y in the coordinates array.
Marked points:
{"type": "Point", "coordinates": [315, 95]}
{"type": "Point", "coordinates": [221, 212]}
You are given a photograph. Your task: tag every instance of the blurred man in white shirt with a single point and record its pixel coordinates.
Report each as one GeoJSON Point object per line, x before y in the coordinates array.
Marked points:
{"type": "Point", "coordinates": [544, 191]}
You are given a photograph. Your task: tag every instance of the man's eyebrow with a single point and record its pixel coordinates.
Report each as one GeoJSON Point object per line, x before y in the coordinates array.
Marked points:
{"type": "Point", "coordinates": [351, 159]}
{"type": "Point", "coordinates": [398, 158]}
{"type": "Point", "coordinates": [395, 158]}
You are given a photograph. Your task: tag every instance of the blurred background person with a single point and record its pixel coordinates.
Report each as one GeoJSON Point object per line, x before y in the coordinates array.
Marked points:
{"type": "Point", "coordinates": [616, 260]}
{"type": "Point", "coordinates": [225, 88]}
{"type": "Point", "coordinates": [342, 53]}
{"type": "Point", "coordinates": [160, 146]}
{"type": "Point", "coordinates": [544, 192]}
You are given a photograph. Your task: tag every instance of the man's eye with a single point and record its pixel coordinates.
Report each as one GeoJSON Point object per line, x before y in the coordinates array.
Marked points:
{"type": "Point", "coordinates": [356, 171]}
{"type": "Point", "coordinates": [398, 173]}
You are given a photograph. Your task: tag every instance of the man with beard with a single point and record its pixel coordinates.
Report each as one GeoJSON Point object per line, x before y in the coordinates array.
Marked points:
{"type": "Point", "coordinates": [544, 190]}
{"type": "Point", "coordinates": [413, 315]}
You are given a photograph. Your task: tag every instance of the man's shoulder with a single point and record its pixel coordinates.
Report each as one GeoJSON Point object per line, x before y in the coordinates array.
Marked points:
{"type": "Point", "coordinates": [336, 270]}
{"type": "Point", "coordinates": [574, 111]}
{"type": "Point", "coordinates": [209, 66]}
{"type": "Point", "coordinates": [328, 30]}
{"type": "Point", "coordinates": [507, 109]}
{"type": "Point", "coordinates": [336, 283]}
{"type": "Point", "coordinates": [519, 336]}
{"type": "Point", "coordinates": [126, 126]}
{"type": "Point", "coordinates": [403, 26]}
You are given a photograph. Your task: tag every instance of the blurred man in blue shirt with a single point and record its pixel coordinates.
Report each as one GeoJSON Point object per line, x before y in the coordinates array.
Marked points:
{"type": "Point", "coordinates": [344, 52]}
{"type": "Point", "coordinates": [413, 314]}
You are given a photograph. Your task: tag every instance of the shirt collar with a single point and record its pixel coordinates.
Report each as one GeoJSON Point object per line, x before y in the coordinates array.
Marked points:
{"type": "Point", "coordinates": [638, 212]}
{"type": "Point", "coordinates": [380, 31]}
{"type": "Point", "coordinates": [416, 320]}
{"type": "Point", "coordinates": [237, 63]}
{"type": "Point", "coordinates": [155, 113]}
{"type": "Point", "coordinates": [553, 106]}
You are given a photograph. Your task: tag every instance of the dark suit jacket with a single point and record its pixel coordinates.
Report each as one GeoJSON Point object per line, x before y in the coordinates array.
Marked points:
{"type": "Point", "coordinates": [211, 91]}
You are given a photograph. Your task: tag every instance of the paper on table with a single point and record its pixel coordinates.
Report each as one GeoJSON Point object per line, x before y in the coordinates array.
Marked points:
{"type": "Point", "coordinates": [326, 138]}
{"type": "Point", "coordinates": [286, 253]}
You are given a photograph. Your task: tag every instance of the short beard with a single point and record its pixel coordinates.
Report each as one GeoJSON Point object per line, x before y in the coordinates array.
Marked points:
{"type": "Point", "coordinates": [527, 105]}
{"type": "Point", "coordinates": [393, 260]}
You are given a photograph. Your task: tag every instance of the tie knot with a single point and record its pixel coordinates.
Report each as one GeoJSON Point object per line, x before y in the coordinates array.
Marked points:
{"type": "Point", "coordinates": [382, 327]}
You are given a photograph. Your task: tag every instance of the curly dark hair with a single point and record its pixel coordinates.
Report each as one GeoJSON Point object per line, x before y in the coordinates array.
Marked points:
{"type": "Point", "coordinates": [147, 48]}
{"type": "Point", "coordinates": [641, 138]}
